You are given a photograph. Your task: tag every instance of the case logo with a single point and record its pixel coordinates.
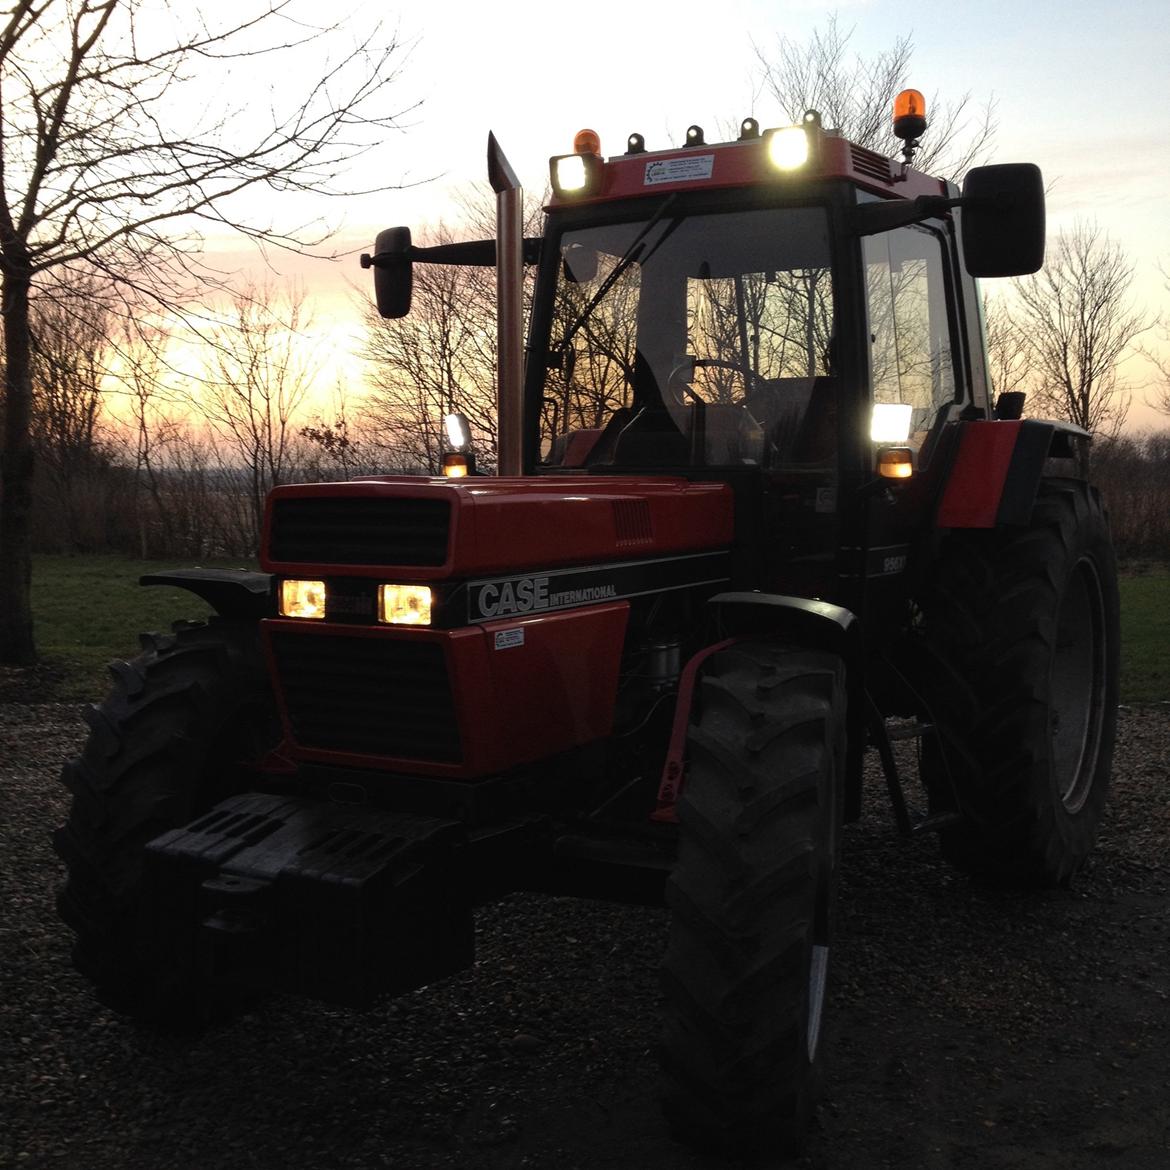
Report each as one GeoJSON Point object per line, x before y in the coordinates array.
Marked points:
{"type": "Point", "coordinates": [520, 595]}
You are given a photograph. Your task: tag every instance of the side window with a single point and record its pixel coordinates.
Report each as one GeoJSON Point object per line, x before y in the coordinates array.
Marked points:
{"type": "Point", "coordinates": [911, 359]}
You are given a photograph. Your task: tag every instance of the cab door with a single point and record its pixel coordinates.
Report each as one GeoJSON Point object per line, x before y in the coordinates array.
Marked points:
{"type": "Point", "coordinates": [920, 384]}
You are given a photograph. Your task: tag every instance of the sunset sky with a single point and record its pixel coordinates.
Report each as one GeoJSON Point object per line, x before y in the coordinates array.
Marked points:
{"type": "Point", "coordinates": [1080, 89]}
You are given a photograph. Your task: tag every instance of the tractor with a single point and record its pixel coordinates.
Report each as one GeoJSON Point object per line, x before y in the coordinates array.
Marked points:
{"type": "Point", "coordinates": [754, 513]}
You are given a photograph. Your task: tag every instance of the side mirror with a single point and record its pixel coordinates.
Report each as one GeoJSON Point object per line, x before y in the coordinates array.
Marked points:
{"type": "Point", "coordinates": [580, 264]}
{"type": "Point", "coordinates": [1009, 405]}
{"type": "Point", "coordinates": [393, 271]}
{"type": "Point", "coordinates": [1003, 220]}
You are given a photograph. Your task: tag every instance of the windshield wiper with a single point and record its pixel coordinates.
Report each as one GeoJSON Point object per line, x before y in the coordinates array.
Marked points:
{"type": "Point", "coordinates": [628, 257]}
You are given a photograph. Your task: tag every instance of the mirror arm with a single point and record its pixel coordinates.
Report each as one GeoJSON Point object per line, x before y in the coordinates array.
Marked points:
{"type": "Point", "coordinates": [869, 219]}
{"type": "Point", "coordinates": [472, 254]}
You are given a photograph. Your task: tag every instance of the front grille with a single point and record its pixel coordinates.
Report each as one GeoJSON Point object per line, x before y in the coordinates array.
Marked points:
{"type": "Point", "coordinates": [350, 530]}
{"type": "Point", "coordinates": [370, 696]}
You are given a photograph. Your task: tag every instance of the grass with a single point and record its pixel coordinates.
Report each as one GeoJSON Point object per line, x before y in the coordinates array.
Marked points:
{"type": "Point", "coordinates": [91, 609]}
{"type": "Point", "coordinates": [1145, 636]}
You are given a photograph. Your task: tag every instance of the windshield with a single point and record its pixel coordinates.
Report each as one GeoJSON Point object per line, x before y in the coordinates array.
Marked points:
{"type": "Point", "coordinates": [696, 340]}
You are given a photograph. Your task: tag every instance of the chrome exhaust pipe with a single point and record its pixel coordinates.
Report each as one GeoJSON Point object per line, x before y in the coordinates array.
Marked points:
{"type": "Point", "coordinates": [510, 312]}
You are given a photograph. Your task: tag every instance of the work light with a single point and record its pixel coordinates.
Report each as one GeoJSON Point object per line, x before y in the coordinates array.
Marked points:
{"type": "Point", "coordinates": [580, 173]}
{"type": "Point", "coordinates": [787, 147]}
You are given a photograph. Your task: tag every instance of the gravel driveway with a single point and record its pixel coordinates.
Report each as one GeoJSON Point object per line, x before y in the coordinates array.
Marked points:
{"type": "Point", "coordinates": [968, 1028]}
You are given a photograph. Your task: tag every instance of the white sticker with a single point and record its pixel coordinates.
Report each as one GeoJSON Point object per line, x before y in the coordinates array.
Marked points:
{"type": "Point", "coordinates": [679, 170]}
{"type": "Point", "coordinates": [505, 639]}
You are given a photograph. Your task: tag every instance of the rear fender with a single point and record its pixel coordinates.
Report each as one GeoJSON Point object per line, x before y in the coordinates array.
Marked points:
{"type": "Point", "coordinates": [232, 593]}
{"type": "Point", "coordinates": [997, 467]}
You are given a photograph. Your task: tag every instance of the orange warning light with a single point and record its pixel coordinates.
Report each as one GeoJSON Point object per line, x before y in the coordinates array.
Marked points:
{"type": "Point", "coordinates": [909, 114]}
{"type": "Point", "coordinates": [910, 101]}
{"type": "Point", "coordinates": [587, 142]}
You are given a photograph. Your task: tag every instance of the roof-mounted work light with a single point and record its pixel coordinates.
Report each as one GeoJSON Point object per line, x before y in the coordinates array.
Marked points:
{"type": "Point", "coordinates": [788, 147]}
{"type": "Point", "coordinates": [580, 173]}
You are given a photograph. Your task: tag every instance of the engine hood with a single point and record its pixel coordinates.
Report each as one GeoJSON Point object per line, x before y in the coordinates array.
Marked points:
{"type": "Point", "coordinates": [431, 529]}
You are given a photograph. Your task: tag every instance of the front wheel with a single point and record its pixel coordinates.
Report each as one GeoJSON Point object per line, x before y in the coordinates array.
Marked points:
{"type": "Point", "coordinates": [175, 736]}
{"type": "Point", "coordinates": [752, 898]}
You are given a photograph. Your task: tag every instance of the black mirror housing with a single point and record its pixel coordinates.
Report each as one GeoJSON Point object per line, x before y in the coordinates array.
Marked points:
{"type": "Point", "coordinates": [393, 271]}
{"type": "Point", "coordinates": [1003, 220]}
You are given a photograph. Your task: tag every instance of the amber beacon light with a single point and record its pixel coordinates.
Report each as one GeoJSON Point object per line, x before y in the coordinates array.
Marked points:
{"type": "Point", "coordinates": [909, 114]}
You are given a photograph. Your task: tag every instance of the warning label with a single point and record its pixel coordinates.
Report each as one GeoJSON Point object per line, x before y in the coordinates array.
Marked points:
{"type": "Point", "coordinates": [679, 170]}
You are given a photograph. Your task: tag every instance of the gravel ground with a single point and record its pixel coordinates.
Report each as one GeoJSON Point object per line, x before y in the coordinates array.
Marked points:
{"type": "Point", "coordinates": [968, 1028]}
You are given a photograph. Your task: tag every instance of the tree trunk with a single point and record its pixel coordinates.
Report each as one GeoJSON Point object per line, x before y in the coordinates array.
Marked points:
{"type": "Point", "coordinates": [16, 472]}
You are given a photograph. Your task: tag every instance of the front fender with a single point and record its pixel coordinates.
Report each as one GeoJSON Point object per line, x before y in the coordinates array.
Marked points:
{"type": "Point", "coordinates": [232, 593]}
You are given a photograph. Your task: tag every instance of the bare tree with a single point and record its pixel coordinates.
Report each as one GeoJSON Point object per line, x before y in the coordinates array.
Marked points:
{"type": "Point", "coordinates": [1079, 324]}
{"type": "Point", "coordinates": [153, 425]}
{"type": "Point", "coordinates": [123, 132]}
{"type": "Point", "coordinates": [336, 447]}
{"type": "Point", "coordinates": [260, 372]}
{"type": "Point", "coordinates": [856, 95]}
{"type": "Point", "coordinates": [1007, 347]}
{"type": "Point", "coordinates": [1159, 397]}
{"type": "Point", "coordinates": [432, 362]}
{"type": "Point", "coordinates": [70, 343]}
{"type": "Point", "coordinates": [442, 357]}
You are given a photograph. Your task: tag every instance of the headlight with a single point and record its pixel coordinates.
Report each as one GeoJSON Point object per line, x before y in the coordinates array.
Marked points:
{"type": "Point", "coordinates": [788, 147]}
{"type": "Point", "coordinates": [302, 599]}
{"type": "Point", "coordinates": [404, 605]}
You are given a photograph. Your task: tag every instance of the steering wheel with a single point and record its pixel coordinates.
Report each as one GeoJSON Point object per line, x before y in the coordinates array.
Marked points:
{"type": "Point", "coordinates": [678, 383]}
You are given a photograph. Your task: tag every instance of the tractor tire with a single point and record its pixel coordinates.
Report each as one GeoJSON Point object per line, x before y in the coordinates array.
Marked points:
{"type": "Point", "coordinates": [751, 896]}
{"type": "Point", "coordinates": [172, 739]}
{"type": "Point", "coordinates": [1022, 637]}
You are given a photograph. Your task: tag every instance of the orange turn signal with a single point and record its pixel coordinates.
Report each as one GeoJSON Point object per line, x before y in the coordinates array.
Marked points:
{"type": "Point", "coordinates": [455, 465]}
{"type": "Point", "coordinates": [895, 462]}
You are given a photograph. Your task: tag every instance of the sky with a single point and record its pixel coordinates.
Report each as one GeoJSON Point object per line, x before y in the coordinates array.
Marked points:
{"type": "Point", "coordinates": [1080, 88]}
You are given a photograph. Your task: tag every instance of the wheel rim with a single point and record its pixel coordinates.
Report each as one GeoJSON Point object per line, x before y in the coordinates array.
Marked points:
{"type": "Point", "coordinates": [818, 971]}
{"type": "Point", "coordinates": [1078, 686]}
{"type": "Point", "coordinates": [818, 957]}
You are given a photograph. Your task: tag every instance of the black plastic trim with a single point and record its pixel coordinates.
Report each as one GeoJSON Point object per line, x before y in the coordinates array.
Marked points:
{"type": "Point", "coordinates": [239, 593]}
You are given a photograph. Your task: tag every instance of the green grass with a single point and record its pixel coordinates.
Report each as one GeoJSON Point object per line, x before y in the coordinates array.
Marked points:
{"type": "Point", "coordinates": [91, 609]}
{"type": "Point", "coordinates": [88, 610]}
{"type": "Point", "coordinates": [1145, 636]}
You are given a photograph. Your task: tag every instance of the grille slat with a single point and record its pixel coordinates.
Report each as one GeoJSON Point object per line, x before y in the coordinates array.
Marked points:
{"type": "Point", "coordinates": [372, 696]}
{"type": "Point", "coordinates": [348, 530]}
{"type": "Point", "coordinates": [870, 163]}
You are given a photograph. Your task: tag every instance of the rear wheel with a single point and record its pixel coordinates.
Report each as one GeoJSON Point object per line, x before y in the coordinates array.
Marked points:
{"type": "Point", "coordinates": [752, 896]}
{"type": "Point", "coordinates": [1021, 629]}
{"type": "Point", "coordinates": [174, 737]}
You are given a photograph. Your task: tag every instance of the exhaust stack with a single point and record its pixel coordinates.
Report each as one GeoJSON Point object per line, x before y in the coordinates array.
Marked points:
{"type": "Point", "coordinates": [510, 318]}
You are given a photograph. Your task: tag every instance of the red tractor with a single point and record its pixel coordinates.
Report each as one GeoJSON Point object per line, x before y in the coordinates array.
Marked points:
{"type": "Point", "coordinates": [755, 512]}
